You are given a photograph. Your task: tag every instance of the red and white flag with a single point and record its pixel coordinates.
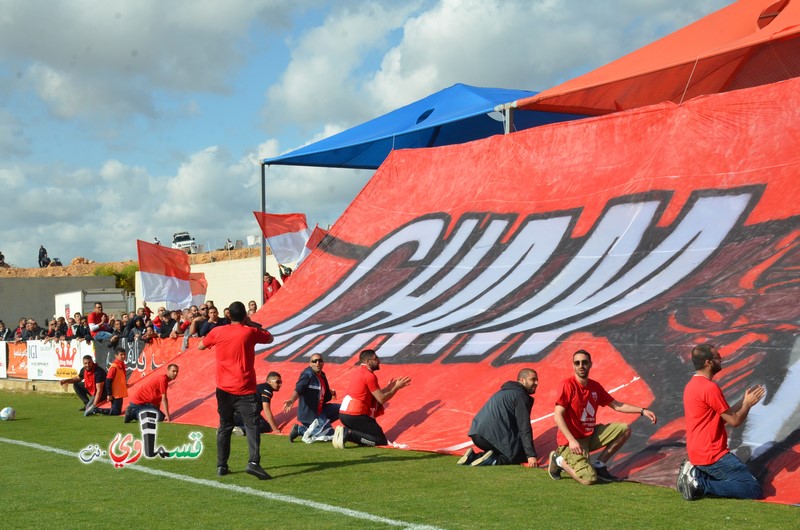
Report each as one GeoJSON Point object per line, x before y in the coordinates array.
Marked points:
{"type": "Point", "coordinates": [199, 285]}
{"type": "Point", "coordinates": [286, 234]}
{"type": "Point", "coordinates": [165, 274]}
{"type": "Point", "coordinates": [316, 236]}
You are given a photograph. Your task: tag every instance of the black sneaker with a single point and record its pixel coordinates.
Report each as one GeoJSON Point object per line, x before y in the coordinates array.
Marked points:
{"type": "Point", "coordinates": [604, 476]}
{"type": "Point", "coordinates": [257, 471]}
{"type": "Point", "coordinates": [294, 433]}
{"type": "Point", "coordinates": [222, 471]}
{"type": "Point", "coordinates": [486, 459]}
{"type": "Point", "coordinates": [467, 459]}
{"type": "Point", "coordinates": [128, 415]}
{"type": "Point", "coordinates": [552, 466]}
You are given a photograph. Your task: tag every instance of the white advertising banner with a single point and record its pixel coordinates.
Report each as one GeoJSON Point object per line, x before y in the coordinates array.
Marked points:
{"type": "Point", "coordinates": [54, 360]}
{"type": "Point", "coordinates": [3, 360]}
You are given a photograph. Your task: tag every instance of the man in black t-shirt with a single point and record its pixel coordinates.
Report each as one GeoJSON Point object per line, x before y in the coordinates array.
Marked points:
{"type": "Point", "coordinates": [264, 391]}
{"type": "Point", "coordinates": [89, 385]}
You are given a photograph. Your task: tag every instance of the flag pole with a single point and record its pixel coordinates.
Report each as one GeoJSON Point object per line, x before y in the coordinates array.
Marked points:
{"type": "Point", "coordinates": [263, 239]}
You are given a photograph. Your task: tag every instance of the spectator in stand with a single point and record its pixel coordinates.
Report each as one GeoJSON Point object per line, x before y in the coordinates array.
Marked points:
{"type": "Point", "coordinates": [82, 331]}
{"type": "Point", "coordinates": [227, 317]}
{"type": "Point", "coordinates": [210, 304]}
{"type": "Point", "coordinates": [62, 327]}
{"type": "Point", "coordinates": [149, 333]}
{"type": "Point", "coordinates": [148, 312]}
{"type": "Point", "coordinates": [162, 314]}
{"type": "Point", "coordinates": [271, 286]}
{"type": "Point", "coordinates": [33, 331]}
{"type": "Point", "coordinates": [52, 331]}
{"type": "Point", "coordinates": [5, 333]}
{"type": "Point", "coordinates": [89, 385]}
{"type": "Point", "coordinates": [212, 322]}
{"type": "Point", "coordinates": [44, 261]}
{"type": "Point", "coordinates": [117, 332]}
{"type": "Point", "coordinates": [20, 329]}
{"type": "Point", "coordinates": [169, 321]}
{"type": "Point", "coordinates": [252, 306]}
{"type": "Point", "coordinates": [98, 323]}
{"type": "Point", "coordinates": [135, 329]}
{"type": "Point", "coordinates": [285, 272]}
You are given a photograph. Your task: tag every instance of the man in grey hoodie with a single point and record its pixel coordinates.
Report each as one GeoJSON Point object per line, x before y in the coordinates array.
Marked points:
{"type": "Point", "coordinates": [502, 428]}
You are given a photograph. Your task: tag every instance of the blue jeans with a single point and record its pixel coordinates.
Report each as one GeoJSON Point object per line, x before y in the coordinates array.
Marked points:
{"type": "Point", "coordinates": [729, 477]}
{"type": "Point", "coordinates": [134, 409]}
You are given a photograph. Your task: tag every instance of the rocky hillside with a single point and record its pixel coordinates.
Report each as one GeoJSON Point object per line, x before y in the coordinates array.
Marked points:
{"type": "Point", "coordinates": [86, 267]}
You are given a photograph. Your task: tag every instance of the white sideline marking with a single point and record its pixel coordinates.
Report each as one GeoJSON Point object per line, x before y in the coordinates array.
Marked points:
{"type": "Point", "coordinates": [240, 489]}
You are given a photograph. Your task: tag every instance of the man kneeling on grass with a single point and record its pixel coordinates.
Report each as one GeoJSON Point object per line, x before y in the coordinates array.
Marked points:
{"type": "Point", "coordinates": [149, 395]}
{"type": "Point", "coordinates": [502, 428]}
{"type": "Point", "coordinates": [577, 401]}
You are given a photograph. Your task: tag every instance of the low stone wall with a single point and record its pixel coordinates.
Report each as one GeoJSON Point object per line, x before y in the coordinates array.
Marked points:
{"type": "Point", "coordinates": [25, 385]}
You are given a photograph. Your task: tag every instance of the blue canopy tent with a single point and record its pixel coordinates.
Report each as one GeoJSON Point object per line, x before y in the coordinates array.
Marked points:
{"type": "Point", "coordinates": [458, 114]}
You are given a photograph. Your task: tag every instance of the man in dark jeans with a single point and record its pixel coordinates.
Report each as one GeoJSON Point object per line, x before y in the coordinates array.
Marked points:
{"type": "Point", "coordinates": [234, 348]}
{"type": "Point", "coordinates": [502, 428]}
{"type": "Point", "coordinates": [89, 385]}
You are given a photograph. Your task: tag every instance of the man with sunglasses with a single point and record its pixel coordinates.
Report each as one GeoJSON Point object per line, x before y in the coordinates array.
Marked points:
{"type": "Point", "coordinates": [577, 401]}
{"type": "Point", "coordinates": [711, 468]}
{"type": "Point", "coordinates": [315, 394]}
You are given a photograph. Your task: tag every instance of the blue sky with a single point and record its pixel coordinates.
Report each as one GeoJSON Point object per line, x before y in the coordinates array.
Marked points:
{"type": "Point", "coordinates": [125, 120]}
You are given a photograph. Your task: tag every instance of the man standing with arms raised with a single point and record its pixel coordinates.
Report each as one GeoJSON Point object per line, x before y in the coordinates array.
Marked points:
{"type": "Point", "coordinates": [234, 348]}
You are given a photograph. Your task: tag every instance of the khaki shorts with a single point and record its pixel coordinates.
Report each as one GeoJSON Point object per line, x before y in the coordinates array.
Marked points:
{"type": "Point", "coordinates": [603, 436]}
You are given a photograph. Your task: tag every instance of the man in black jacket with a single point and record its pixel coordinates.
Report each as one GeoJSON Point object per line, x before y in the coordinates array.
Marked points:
{"type": "Point", "coordinates": [315, 394]}
{"type": "Point", "coordinates": [502, 428]}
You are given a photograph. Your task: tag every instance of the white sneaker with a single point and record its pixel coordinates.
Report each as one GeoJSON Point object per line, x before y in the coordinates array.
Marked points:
{"type": "Point", "coordinates": [238, 431]}
{"type": "Point", "coordinates": [338, 437]}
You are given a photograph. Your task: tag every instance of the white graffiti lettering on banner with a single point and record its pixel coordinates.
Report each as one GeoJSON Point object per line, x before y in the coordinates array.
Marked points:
{"type": "Point", "coordinates": [482, 285]}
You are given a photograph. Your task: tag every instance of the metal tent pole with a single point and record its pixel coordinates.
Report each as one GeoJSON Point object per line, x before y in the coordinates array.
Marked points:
{"type": "Point", "coordinates": [263, 240]}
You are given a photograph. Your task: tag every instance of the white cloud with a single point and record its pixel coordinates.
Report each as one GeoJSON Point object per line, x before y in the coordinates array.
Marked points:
{"type": "Point", "coordinates": [90, 58]}
{"type": "Point", "coordinates": [323, 80]}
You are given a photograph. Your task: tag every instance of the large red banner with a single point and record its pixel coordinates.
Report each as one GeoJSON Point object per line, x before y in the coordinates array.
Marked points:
{"type": "Point", "coordinates": [634, 236]}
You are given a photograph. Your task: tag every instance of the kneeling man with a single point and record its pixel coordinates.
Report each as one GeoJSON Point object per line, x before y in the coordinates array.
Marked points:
{"type": "Point", "coordinates": [502, 428]}
{"type": "Point", "coordinates": [577, 402]}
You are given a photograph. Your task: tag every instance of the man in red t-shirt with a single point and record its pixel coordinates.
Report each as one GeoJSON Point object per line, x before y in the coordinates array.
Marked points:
{"type": "Point", "coordinates": [234, 348]}
{"type": "Point", "coordinates": [99, 329]}
{"type": "Point", "coordinates": [711, 469]}
{"type": "Point", "coordinates": [363, 402]}
{"type": "Point", "coordinates": [578, 435]}
{"type": "Point", "coordinates": [149, 394]}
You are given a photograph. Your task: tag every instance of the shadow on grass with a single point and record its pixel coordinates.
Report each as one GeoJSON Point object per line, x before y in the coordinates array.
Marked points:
{"type": "Point", "coordinates": [314, 467]}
